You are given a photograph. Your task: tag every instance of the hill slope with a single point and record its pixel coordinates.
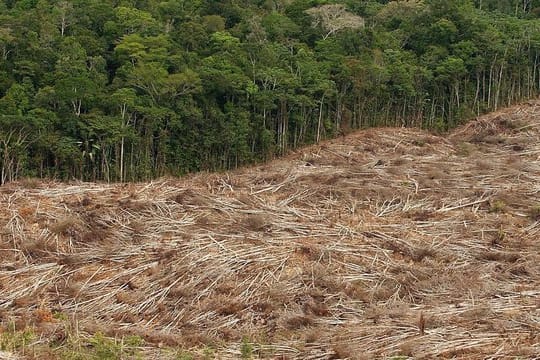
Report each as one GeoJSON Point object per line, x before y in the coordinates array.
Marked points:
{"type": "Point", "coordinates": [386, 242]}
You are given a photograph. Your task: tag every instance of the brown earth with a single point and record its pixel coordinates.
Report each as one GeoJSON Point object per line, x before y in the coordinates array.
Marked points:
{"type": "Point", "coordinates": [387, 242]}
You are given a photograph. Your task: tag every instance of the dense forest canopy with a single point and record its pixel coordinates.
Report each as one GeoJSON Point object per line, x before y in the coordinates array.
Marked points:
{"type": "Point", "coordinates": [125, 90]}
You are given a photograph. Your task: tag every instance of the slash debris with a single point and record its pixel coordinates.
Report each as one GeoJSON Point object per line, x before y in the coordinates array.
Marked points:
{"type": "Point", "coordinates": [433, 252]}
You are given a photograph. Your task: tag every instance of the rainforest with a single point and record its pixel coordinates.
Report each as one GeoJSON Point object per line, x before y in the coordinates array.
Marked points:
{"type": "Point", "coordinates": [127, 90]}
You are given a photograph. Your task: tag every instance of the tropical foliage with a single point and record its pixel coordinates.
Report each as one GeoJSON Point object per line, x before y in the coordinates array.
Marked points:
{"type": "Point", "coordinates": [125, 90]}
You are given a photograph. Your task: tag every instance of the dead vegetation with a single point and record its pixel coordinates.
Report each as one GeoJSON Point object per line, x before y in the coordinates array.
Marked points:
{"type": "Point", "coordinates": [387, 243]}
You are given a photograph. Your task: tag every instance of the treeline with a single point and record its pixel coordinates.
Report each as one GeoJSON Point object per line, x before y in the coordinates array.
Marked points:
{"type": "Point", "coordinates": [126, 90]}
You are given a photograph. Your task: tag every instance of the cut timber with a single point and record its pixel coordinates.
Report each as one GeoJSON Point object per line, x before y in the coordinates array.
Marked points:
{"type": "Point", "coordinates": [432, 254]}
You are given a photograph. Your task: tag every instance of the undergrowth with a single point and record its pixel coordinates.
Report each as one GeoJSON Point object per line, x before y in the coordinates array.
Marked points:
{"type": "Point", "coordinates": [26, 342]}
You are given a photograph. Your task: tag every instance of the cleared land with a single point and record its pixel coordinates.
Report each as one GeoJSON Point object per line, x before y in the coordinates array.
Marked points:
{"type": "Point", "coordinates": [386, 242]}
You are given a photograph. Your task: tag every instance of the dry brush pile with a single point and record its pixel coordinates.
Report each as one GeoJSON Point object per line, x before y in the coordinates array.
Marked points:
{"type": "Point", "coordinates": [387, 242]}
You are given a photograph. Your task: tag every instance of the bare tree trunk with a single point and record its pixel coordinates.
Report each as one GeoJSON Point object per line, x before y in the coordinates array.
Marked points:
{"type": "Point", "coordinates": [499, 85]}
{"type": "Point", "coordinates": [320, 120]}
{"type": "Point", "coordinates": [490, 83]}
{"type": "Point", "coordinates": [477, 94]}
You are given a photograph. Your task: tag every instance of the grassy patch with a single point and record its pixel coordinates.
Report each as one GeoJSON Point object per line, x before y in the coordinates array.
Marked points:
{"type": "Point", "coordinates": [497, 206]}
{"type": "Point", "coordinates": [246, 348]}
{"type": "Point", "coordinates": [13, 340]}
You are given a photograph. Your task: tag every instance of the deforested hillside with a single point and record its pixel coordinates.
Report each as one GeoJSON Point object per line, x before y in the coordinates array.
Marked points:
{"type": "Point", "coordinates": [384, 243]}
